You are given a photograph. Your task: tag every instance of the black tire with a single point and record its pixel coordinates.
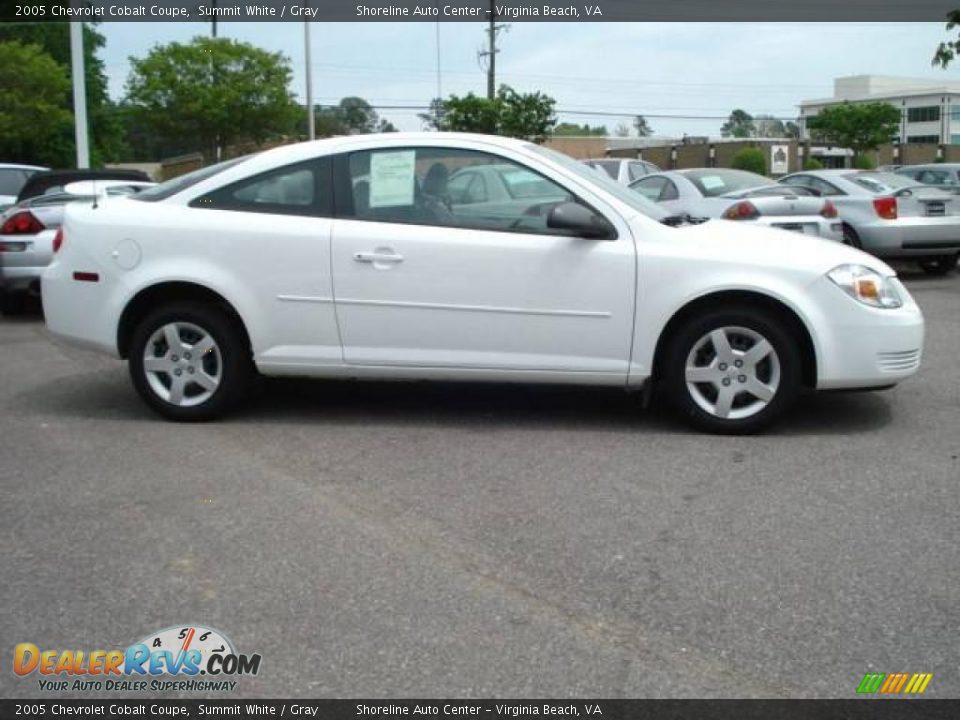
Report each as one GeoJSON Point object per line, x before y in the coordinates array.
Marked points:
{"type": "Point", "coordinates": [851, 238]}
{"type": "Point", "coordinates": [232, 360]}
{"type": "Point", "coordinates": [13, 303]}
{"type": "Point", "coordinates": [758, 322]}
{"type": "Point", "coordinates": [940, 265]}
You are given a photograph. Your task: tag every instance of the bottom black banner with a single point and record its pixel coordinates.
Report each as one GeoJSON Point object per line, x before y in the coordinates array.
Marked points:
{"type": "Point", "coordinates": [867, 709]}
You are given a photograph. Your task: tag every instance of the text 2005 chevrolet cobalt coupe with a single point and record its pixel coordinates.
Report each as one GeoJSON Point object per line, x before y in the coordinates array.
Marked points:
{"type": "Point", "coordinates": [465, 257]}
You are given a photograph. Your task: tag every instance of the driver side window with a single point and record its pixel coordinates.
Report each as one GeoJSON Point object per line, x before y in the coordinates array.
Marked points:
{"type": "Point", "coordinates": [449, 187]}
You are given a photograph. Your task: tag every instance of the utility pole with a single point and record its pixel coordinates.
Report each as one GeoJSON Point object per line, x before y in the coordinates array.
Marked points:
{"type": "Point", "coordinates": [77, 70]}
{"type": "Point", "coordinates": [491, 53]}
{"type": "Point", "coordinates": [311, 120]}
{"type": "Point", "coordinates": [213, 24]}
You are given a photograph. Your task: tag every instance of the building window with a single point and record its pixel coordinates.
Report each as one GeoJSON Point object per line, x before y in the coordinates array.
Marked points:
{"type": "Point", "coordinates": [955, 139]}
{"type": "Point", "coordinates": [918, 139]}
{"type": "Point", "coordinates": [931, 113]}
{"type": "Point", "coordinates": [955, 113]}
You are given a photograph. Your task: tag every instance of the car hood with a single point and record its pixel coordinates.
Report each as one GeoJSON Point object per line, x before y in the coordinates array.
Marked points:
{"type": "Point", "coordinates": [758, 245]}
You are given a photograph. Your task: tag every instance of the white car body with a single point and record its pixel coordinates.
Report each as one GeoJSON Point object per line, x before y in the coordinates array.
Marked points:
{"type": "Point", "coordinates": [23, 258]}
{"type": "Point", "coordinates": [339, 297]}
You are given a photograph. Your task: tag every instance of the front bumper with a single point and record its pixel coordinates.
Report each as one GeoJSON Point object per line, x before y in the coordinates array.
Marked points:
{"type": "Point", "coordinates": [863, 347]}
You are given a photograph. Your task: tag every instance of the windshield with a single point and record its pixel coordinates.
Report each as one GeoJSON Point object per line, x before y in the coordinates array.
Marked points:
{"type": "Point", "coordinates": [624, 194]}
{"type": "Point", "coordinates": [182, 182]}
{"type": "Point", "coordinates": [881, 182]}
{"type": "Point", "coordinates": [713, 183]}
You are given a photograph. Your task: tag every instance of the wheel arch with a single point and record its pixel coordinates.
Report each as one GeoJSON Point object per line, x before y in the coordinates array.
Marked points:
{"type": "Point", "coordinates": [153, 296]}
{"type": "Point", "coordinates": [751, 298]}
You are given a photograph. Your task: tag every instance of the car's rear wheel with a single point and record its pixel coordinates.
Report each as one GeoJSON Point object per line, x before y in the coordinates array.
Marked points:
{"type": "Point", "coordinates": [733, 370]}
{"type": "Point", "coordinates": [940, 265]}
{"type": "Point", "coordinates": [189, 361]}
{"type": "Point", "coordinates": [850, 237]}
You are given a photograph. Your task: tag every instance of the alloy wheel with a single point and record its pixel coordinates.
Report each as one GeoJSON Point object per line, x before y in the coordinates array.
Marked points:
{"type": "Point", "coordinates": [732, 372]}
{"type": "Point", "coordinates": [182, 364]}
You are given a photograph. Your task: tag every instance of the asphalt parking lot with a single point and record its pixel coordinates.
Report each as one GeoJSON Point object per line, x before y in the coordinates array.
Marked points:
{"type": "Point", "coordinates": [398, 540]}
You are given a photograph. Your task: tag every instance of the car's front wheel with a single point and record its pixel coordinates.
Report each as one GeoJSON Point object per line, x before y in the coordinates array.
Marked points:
{"type": "Point", "coordinates": [940, 265]}
{"type": "Point", "coordinates": [189, 361]}
{"type": "Point", "coordinates": [732, 370]}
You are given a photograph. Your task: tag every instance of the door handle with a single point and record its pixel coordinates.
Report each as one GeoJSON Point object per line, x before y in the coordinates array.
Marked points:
{"type": "Point", "coordinates": [377, 257]}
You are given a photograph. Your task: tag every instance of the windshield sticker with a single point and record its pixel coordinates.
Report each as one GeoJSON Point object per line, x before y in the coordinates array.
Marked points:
{"type": "Point", "coordinates": [712, 182]}
{"type": "Point", "coordinates": [392, 178]}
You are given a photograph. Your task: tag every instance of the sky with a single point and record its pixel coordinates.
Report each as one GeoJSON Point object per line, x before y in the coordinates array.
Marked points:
{"type": "Point", "coordinates": [687, 69]}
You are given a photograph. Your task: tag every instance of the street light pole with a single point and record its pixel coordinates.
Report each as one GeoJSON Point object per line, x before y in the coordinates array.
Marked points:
{"type": "Point", "coordinates": [79, 94]}
{"type": "Point", "coordinates": [311, 121]}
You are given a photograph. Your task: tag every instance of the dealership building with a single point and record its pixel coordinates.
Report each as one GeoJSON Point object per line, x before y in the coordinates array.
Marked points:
{"type": "Point", "coordinates": [930, 109]}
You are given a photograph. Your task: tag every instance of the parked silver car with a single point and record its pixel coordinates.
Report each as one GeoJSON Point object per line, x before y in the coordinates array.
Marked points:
{"type": "Point", "coordinates": [945, 176]}
{"type": "Point", "coordinates": [890, 215]}
{"type": "Point", "coordinates": [623, 170]}
{"type": "Point", "coordinates": [739, 195]}
{"type": "Point", "coordinates": [12, 179]}
{"type": "Point", "coordinates": [28, 229]}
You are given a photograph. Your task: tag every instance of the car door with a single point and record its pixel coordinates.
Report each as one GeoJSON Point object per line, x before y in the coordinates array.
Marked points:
{"type": "Point", "coordinates": [419, 285]}
{"type": "Point", "coordinates": [272, 231]}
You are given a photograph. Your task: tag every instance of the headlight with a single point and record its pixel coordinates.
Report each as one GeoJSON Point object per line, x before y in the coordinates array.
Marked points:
{"type": "Point", "coordinates": [866, 285]}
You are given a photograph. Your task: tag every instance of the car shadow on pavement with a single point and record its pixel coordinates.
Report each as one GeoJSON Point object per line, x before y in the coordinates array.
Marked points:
{"type": "Point", "coordinates": [108, 395]}
{"type": "Point", "coordinates": [487, 406]}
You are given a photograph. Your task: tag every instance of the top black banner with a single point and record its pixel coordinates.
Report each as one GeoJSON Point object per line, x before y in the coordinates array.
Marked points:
{"type": "Point", "coordinates": [478, 10]}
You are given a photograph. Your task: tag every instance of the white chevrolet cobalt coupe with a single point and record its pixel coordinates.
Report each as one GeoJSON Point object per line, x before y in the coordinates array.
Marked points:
{"type": "Point", "coordinates": [465, 257]}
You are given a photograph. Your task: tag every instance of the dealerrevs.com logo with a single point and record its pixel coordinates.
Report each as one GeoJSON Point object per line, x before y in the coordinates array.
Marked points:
{"type": "Point", "coordinates": [196, 657]}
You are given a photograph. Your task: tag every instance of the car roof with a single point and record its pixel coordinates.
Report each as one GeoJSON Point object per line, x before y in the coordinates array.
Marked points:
{"type": "Point", "coordinates": [17, 166]}
{"type": "Point", "coordinates": [931, 166]}
{"type": "Point", "coordinates": [41, 182]}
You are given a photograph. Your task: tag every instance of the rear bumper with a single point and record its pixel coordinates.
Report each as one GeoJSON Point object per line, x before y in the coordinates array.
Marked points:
{"type": "Point", "coordinates": [805, 225]}
{"type": "Point", "coordinates": [21, 269]}
{"type": "Point", "coordinates": [79, 313]}
{"type": "Point", "coordinates": [20, 279]}
{"type": "Point", "coordinates": [911, 237]}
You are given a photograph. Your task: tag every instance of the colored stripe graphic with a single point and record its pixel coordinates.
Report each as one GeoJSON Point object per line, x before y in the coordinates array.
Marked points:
{"type": "Point", "coordinates": [894, 683]}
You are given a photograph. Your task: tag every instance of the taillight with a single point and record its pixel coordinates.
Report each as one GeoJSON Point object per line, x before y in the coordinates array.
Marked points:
{"type": "Point", "coordinates": [21, 223]}
{"type": "Point", "coordinates": [829, 210]}
{"type": "Point", "coordinates": [58, 240]}
{"type": "Point", "coordinates": [742, 211]}
{"type": "Point", "coordinates": [886, 207]}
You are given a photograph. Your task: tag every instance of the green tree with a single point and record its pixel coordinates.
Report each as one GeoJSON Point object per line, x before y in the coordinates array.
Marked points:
{"type": "Point", "coordinates": [107, 131]}
{"type": "Point", "coordinates": [357, 116]}
{"type": "Point", "coordinates": [812, 164]}
{"type": "Point", "coordinates": [34, 90]}
{"type": "Point", "coordinates": [947, 51]}
{"type": "Point", "coordinates": [861, 127]}
{"type": "Point", "coordinates": [750, 159]}
{"type": "Point", "coordinates": [522, 115]}
{"type": "Point", "coordinates": [642, 127]}
{"type": "Point", "coordinates": [738, 125]}
{"type": "Point", "coordinates": [215, 90]}
{"type": "Point", "coordinates": [793, 130]}
{"type": "Point", "coordinates": [767, 126]}
{"type": "Point", "coordinates": [525, 115]}
{"type": "Point", "coordinates": [566, 129]}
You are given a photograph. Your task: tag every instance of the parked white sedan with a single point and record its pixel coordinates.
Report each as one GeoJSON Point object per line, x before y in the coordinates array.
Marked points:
{"type": "Point", "coordinates": [348, 257]}
{"type": "Point", "coordinates": [742, 196]}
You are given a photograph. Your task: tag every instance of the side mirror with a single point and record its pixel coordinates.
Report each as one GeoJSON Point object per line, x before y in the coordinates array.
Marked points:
{"type": "Point", "coordinates": [580, 221]}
